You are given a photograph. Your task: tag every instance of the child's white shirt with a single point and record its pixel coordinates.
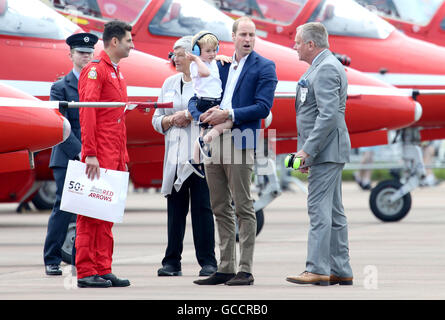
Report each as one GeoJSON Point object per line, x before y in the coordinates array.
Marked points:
{"type": "Point", "coordinates": [209, 87]}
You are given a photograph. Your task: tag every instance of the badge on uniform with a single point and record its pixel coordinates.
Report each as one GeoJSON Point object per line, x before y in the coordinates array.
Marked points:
{"type": "Point", "coordinates": [303, 84]}
{"type": "Point", "coordinates": [303, 93]}
{"type": "Point", "coordinates": [92, 74]}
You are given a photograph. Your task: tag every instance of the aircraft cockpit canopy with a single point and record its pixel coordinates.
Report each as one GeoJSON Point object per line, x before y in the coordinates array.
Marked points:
{"type": "Point", "coordinates": [348, 18]}
{"type": "Point", "coordinates": [124, 10]}
{"type": "Point", "coordinates": [32, 18]}
{"type": "Point", "coordinates": [179, 18]}
{"type": "Point", "coordinates": [278, 12]}
{"type": "Point", "coordinates": [419, 12]}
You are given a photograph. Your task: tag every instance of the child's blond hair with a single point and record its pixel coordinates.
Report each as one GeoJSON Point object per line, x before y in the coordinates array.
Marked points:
{"type": "Point", "coordinates": [204, 37]}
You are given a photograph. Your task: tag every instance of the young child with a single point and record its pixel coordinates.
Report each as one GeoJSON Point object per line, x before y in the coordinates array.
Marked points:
{"type": "Point", "coordinates": [207, 87]}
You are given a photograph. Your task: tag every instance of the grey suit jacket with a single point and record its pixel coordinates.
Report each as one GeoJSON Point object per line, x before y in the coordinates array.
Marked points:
{"type": "Point", "coordinates": [320, 106]}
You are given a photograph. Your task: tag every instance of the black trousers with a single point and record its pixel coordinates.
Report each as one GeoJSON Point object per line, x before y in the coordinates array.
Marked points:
{"type": "Point", "coordinates": [57, 225]}
{"type": "Point", "coordinates": [194, 192]}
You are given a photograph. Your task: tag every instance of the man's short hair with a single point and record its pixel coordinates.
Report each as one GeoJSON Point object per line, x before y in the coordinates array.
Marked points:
{"type": "Point", "coordinates": [237, 22]}
{"type": "Point", "coordinates": [316, 32]}
{"type": "Point", "coordinates": [116, 29]}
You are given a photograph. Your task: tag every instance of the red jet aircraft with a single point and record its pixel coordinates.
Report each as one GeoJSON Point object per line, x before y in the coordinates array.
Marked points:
{"type": "Point", "coordinates": [26, 126]}
{"type": "Point", "coordinates": [158, 25]}
{"type": "Point", "coordinates": [421, 19]}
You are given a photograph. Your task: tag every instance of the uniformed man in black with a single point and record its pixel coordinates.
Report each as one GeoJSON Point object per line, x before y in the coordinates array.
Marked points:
{"type": "Point", "coordinates": [81, 52]}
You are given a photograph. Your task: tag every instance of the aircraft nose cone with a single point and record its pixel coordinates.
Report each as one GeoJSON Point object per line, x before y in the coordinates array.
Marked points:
{"type": "Point", "coordinates": [418, 111]}
{"type": "Point", "coordinates": [66, 128]}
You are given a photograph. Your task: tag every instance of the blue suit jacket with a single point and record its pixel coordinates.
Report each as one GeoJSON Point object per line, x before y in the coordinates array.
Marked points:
{"type": "Point", "coordinates": [252, 98]}
{"type": "Point", "coordinates": [66, 90]}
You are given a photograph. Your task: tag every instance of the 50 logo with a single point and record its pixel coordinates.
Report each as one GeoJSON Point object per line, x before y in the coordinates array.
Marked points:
{"type": "Point", "coordinates": [75, 186]}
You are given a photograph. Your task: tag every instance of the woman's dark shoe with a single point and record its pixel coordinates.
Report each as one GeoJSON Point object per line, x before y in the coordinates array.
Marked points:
{"type": "Point", "coordinates": [169, 271]}
{"type": "Point", "coordinates": [207, 270]}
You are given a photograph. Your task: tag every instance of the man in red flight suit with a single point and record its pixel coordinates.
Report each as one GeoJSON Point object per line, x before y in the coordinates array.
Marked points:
{"type": "Point", "coordinates": [104, 141]}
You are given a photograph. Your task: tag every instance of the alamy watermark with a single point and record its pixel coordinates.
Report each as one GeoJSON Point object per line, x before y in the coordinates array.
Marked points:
{"type": "Point", "coordinates": [264, 143]}
{"type": "Point", "coordinates": [371, 277]}
{"type": "Point", "coordinates": [70, 279]}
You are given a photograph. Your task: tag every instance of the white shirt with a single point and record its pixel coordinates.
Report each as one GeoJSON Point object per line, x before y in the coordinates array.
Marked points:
{"type": "Point", "coordinates": [318, 55]}
{"type": "Point", "coordinates": [179, 142]}
{"type": "Point", "coordinates": [76, 74]}
{"type": "Point", "coordinates": [210, 86]}
{"type": "Point", "coordinates": [232, 79]}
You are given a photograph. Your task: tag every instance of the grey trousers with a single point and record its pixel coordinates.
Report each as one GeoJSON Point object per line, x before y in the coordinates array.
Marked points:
{"type": "Point", "coordinates": [229, 173]}
{"type": "Point", "coordinates": [328, 248]}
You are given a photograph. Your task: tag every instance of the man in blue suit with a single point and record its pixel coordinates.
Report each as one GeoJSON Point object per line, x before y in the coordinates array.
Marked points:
{"type": "Point", "coordinates": [81, 52]}
{"type": "Point", "coordinates": [248, 90]}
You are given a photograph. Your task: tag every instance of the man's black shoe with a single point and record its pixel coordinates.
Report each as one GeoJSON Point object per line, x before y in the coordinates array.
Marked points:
{"type": "Point", "coordinates": [169, 271]}
{"type": "Point", "coordinates": [216, 278]}
{"type": "Point", "coordinates": [241, 279]}
{"type": "Point", "coordinates": [207, 270]}
{"type": "Point", "coordinates": [93, 282]}
{"type": "Point", "coordinates": [115, 281]}
{"type": "Point", "coordinates": [53, 270]}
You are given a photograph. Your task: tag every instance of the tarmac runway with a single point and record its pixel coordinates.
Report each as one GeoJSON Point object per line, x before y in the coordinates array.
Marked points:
{"type": "Point", "coordinates": [391, 261]}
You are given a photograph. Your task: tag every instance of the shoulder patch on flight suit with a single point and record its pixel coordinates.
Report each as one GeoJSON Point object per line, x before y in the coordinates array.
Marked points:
{"type": "Point", "coordinates": [92, 74]}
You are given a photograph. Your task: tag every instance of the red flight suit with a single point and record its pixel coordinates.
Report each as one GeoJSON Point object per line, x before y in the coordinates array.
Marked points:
{"type": "Point", "coordinates": [103, 135]}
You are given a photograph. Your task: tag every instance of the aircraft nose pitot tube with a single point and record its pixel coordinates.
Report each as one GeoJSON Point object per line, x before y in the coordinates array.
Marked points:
{"type": "Point", "coordinates": [418, 111]}
{"type": "Point", "coordinates": [66, 128]}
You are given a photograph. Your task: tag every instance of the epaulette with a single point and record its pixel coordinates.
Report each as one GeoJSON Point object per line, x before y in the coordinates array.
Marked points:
{"type": "Point", "coordinates": [96, 60]}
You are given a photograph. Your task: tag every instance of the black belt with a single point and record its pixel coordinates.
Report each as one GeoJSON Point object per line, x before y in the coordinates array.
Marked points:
{"type": "Point", "coordinates": [210, 99]}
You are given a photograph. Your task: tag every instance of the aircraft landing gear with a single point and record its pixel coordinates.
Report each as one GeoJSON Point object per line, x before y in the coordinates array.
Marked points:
{"type": "Point", "coordinates": [390, 200]}
{"type": "Point", "coordinates": [67, 247]}
{"type": "Point", "coordinates": [382, 204]}
{"type": "Point", "coordinates": [268, 187]}
{"type": "Point", "coordinates": [45, 197]}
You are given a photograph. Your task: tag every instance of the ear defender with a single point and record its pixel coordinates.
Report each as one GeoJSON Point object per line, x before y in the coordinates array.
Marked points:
{"type": "Point", "coordinates": [291, 161]}
{"type": "Point", "coordinates": [196, 49]}
{"type": "Point", "coordinates": [171, 57]}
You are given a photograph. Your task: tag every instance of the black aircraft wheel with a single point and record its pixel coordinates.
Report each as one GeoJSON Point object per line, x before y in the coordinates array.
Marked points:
{"type": "Point", "coordinates": [45, 197]}
{"type": "Point", "coordinates": [67, 247]}
{"type": "Point", "coordinates": [381, 206]}
{"type": "Point", "coordinates": [259, 223]}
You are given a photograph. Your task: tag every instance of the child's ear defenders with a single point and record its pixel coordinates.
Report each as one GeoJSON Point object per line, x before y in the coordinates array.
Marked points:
{"type": "Point", "coordinates": [291, 161]}
{"type": "Point", "coordinates": [196, 49]}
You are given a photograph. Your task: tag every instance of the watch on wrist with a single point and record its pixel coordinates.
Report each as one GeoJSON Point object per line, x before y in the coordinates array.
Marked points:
{"type": "Point", "coordinates": [230, 117]}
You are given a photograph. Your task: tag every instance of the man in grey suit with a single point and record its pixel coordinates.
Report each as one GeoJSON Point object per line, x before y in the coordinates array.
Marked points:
{"type": "Point", "coordinates": [81, 52]}
{"type": "Point", "coordinates": [324, 147]}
